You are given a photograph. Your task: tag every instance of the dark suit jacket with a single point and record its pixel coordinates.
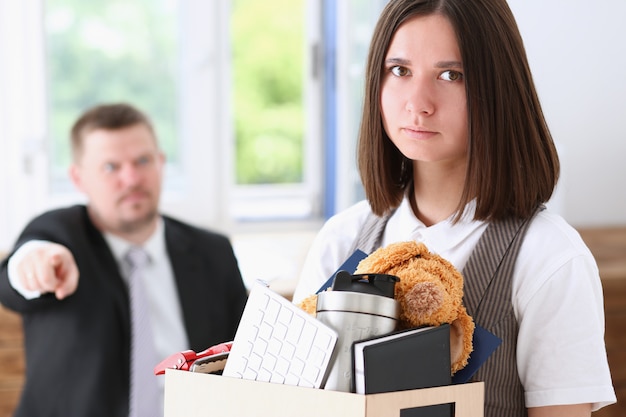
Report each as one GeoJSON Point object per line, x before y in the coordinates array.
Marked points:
{"type": "Point", "coordinates": [77, 349]}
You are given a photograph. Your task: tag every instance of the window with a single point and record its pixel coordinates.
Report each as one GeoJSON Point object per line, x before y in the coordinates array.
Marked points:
{"type": "Point", "coordinates": [348, 25]}
{"type": "Point", "coordinates": [267, 43]}
{"type": "Point", "coordinates": [147, 52]}
{"type": "Point", "coordinates": [276, 146]}
{"type": "Point", "coordinates": [234, 158]}
{"type": "Point", "coordinates": [110, 51]}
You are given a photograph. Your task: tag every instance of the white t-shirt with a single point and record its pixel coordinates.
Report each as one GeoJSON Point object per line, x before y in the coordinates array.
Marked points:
{"type": "Point", "coordinates": [556, 295]}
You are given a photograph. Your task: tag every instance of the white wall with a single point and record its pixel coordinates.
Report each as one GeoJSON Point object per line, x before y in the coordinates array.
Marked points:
{"type": "Point", "coordinates": [577, 53]}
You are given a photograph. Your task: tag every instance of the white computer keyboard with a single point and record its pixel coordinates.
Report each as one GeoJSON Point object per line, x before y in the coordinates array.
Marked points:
{"type": "Point", "coordinates": [278, 342]}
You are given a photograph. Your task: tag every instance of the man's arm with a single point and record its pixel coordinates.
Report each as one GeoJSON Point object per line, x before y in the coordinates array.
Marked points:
{"type": "Point", "coordinates": [39, 267]}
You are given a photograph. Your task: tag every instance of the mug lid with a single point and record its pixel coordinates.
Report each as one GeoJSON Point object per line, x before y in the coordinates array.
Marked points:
{"type": "Point", "coordinates": [377, 284]}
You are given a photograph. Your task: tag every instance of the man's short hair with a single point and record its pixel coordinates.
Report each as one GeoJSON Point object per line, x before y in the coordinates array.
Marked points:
{"type": "Point", "coordinates": [106, 116]}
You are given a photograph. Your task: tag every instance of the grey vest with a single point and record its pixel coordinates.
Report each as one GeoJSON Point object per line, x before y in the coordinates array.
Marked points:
{"type": "Point", "coordinates": [487, 297]}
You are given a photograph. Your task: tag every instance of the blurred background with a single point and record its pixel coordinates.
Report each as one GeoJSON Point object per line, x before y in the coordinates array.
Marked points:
{"type": "Point", "coordinates": [257, 106]}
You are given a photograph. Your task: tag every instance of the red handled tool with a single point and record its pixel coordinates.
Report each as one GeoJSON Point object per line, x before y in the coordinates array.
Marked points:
{"type": "Point", "coordinates": [184, 360]}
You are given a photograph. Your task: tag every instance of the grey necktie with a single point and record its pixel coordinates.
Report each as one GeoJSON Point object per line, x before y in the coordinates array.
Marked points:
{"type": "Point", "coordinates": [145, 393]}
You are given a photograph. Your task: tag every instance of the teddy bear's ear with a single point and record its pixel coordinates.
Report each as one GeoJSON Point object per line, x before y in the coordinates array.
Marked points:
{"type": "Point", "coordinates": [461, 341]}
{"type": "Point", "coordinates": [383, 259]}
{"type": "Point", "coordinates": [309, 304]}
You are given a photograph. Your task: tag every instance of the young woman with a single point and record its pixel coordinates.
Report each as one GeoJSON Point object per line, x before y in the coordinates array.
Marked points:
{"type": "Point", "coordinates": [454, 152]}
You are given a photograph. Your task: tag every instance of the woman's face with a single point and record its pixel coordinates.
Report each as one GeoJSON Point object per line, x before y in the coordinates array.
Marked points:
{"type": "Point", "coordinates": [423, 98]}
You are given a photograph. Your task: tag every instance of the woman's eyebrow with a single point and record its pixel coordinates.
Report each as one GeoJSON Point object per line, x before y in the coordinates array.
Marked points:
{"type": "Point", "coordinates": [449, 64]}
{"type": "Point", "coordinates": [397, 61]}
{"type": "Point", "coordinates": [439, 64]}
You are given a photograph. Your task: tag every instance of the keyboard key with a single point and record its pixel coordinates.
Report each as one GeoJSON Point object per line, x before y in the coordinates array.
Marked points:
{"type": "Point", "coordinates": [259, 347]}
{"type": "Point", "coordinates": [280, 331]}
{"type": "Point", "coordinates": [264, 375]}
{"type": "Point", "coordinates": [316, 357]}
{"type": "Point", "coordinates": [282, 366]}
{"type": "Point", "coordinates": [294, 330]}
{"type": "Point", "coordinates": [271, 313]}
{"type": "Point", "coordinates": [288, 351]}
{"type": "Point", "coordinates": [274, 347]}
{"type": "Point", "coordinates": [310, 373]}
{"type": "Point", "coordinates": [238, 367]}
{"type": "Point", "coordinates": [324, 341]}
{"type": "Point", "coordinates": [269, 362]}
{"type": "Point", "coordinates": [306, 340]}
{"type": "Point", "coordinates": [297, 367]}
{"type": "Point", "coordinates": [285, 316]}
{"type": "Point", "coordinates": [249, 373]}
{"type": "Point", "coordinates": [291, 379]}
{"type": "Point", "coordinates": [277, 378]}
{"type": "Point", "coordinates": [265, 331]}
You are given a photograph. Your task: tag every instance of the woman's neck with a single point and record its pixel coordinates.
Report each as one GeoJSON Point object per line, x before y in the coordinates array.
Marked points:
{"type": "Point", "coordinates": [436, 193]}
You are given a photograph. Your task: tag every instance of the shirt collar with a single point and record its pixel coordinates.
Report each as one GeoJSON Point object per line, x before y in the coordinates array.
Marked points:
{"type": "Point", "coordinates": [440, 237]}
{"type": "Point", "coordinates": [154, 246]}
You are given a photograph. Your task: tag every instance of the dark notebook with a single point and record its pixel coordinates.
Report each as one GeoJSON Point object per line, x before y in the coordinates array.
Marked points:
{"type": "Point", "coordinates": [404, 360]}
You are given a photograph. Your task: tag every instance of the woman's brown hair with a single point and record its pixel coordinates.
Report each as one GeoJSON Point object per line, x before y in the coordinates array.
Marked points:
{"type": "Point", "coordinates": [512, 162]}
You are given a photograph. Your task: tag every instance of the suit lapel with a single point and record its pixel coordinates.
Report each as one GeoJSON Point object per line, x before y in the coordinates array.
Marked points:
{"type": "Point", "coordinates": [188, 270]}
{"type": "Point", "coordinates": [114, 281]}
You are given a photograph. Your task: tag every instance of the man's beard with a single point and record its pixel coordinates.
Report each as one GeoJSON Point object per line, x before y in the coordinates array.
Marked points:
{"type": "Point", "coordinates": [136, 225]}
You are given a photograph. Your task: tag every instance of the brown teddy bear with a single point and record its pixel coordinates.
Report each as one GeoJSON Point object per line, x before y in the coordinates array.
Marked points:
{"type": "Point", "coordinates": [430, 292]}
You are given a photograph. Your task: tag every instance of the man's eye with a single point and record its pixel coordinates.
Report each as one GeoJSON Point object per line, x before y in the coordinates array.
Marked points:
{"type": "Point", "coordinates": [144, 160]}
{"type": "Point", "coordinates": [399, 71]}
{"type": "Point", "coordinates": [451, 75]}
{"type": "Point", "coordinates": [110, 167]}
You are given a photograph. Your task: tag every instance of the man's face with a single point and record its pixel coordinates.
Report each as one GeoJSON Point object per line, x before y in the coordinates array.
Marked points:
{"type": "Point", "coordinates": [120, 171]}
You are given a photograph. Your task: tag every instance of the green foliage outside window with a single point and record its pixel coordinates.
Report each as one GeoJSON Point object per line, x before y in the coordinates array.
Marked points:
{"type": "Point", "coordinates": [125, 50]}
{"type": "Point", "coordinates": [267, 90]}
{"type": "Point", "coordinates": [110, 51]}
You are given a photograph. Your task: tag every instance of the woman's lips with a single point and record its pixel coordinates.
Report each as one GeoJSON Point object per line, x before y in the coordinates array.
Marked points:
{"type": "Point", "coordinates": [418, 133]}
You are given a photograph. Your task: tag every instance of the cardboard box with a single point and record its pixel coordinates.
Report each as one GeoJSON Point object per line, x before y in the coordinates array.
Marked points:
{"type": "Point", "coordinates": [189, 394]}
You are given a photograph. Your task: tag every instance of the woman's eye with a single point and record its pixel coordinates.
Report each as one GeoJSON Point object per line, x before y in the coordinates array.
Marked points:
{"type": "Point", "coordinates": [451, 75]}
{"type": "Point", "coordinates": [399, 71]}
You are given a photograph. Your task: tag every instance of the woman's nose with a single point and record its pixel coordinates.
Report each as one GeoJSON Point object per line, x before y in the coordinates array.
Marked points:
{"type": "Point", "coordinates": [420, 98]}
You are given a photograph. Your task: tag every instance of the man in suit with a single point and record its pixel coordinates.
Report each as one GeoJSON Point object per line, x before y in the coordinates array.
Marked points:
{"type": "Point", "coordinates": [66, 277]}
